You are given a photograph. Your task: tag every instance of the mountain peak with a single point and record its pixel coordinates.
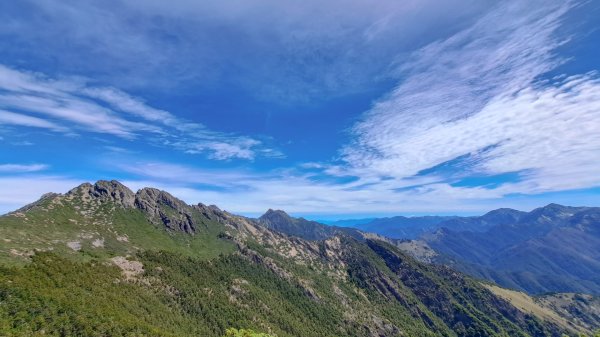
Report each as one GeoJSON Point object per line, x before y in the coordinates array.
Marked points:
{"type": "Point", "coordinates": [275, 211]}
{"type": "Point", "coordinates": [503, 216]}
{"type": "Point", "coordinates": [553, 212]}
{"type": "Point", "coordinates": [104, 190]}
{"type": "Point", "coordinates": [160, 206]}
{"type": "Point", "coordinates": [555, 206]}
{"type": "Point", "coordinates": [276, 214]}
{"type": "Point", "coordinates": [153, 201]}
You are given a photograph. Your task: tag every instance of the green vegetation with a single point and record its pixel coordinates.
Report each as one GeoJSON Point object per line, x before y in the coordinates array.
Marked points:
{"type": "Point", "coordinates": [185, 296]}
{"type": "Point", "coordinates": [244, 333]}
{"type": "Point", "coordinates": [180, 296]}
{"type": "Point", "coordinates": [129, 276]}
{"type": "Point", "coordinates": [99, 230]}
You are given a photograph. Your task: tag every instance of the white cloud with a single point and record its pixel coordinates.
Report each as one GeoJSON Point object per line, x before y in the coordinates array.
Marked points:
{"type": "Point", "coordinates": [254, 194]}
{"type": "Point", "coordinates": [249, 192]}
{"type": "Point", "coordinates": [175, 174]}
{"type": "Point", "coordinates": [131, 105]}
{"type": "Point", "coordinates": [11, 118]}
{"type": "Point", "coordinates": [70, 105]}
{"type": "Point", "coordinates": [17, 168]}
{"type": "Point", "coordinates": [479, 93]}
{"type": "Point", "coordinates": [22, 143]}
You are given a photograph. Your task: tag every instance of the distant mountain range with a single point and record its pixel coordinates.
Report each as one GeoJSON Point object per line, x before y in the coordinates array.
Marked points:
{"type": "Point", "coordinates": [397, 227]}
{"type": "Point", "coordinates": [346, 222]}
{"type": "Point", "coordinates": [102, 260]}
{"type": "Point", "coordinates": [402, 227]}
{"type": "Point", "coordinates": [550, 249]}
{"type": "Point", "coordinates": [280, 221]}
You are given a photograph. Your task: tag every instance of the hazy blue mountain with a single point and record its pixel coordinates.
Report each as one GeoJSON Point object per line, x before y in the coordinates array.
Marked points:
{"type": "Point", "coordinates": [280, 221]}
{"type": "Point", "coordinates": [347, 222]}
{"type": "Point", "coordinates": [482, 223]}
{"type": "Point", "coordinates": [401, 227]}
{"type": "Point", "coordinates": [550, 249]}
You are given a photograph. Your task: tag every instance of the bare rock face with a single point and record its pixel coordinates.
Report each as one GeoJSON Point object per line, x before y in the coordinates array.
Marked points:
{"type": "Point", "coordinates": [211, 212]}
{"type": "Point", "coordinates": [115, 191]}
{"type": "Point", "coordinates": [163, 208]}
{"type": "Point", "coordinates": [160, 207]}
{"type": "Point", "coordinates": [106, 191]}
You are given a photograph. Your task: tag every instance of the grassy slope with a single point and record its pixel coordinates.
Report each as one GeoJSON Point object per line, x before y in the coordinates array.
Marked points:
{"type": "Point", "coordinates": [100, 230]}
{"type": "Point", "coordinates": [528, 304]}
{"type": "Point", "coordinates": [180, 296]}
{"type": "Point", "coordinates": [193, 285]}
{"type": "Point", "coordinates": [571, 311]}
{"type": "Point", "coordinates": [582, 310]}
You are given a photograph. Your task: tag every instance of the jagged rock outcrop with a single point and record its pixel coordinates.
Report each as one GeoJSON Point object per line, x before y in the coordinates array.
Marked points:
{"type": "Point", "coordinates": [160, 207]}
{"type": "Point", "coordinates": [104, 190]}
{"type": "Point", "coordinates": [163, 208]}
{"type": "Point", "coordinates": [211, 212]}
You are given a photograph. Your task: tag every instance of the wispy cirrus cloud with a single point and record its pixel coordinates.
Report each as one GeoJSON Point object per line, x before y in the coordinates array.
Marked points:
{"type": "Point", "coordinates": [20, 168]}
{"type": "Point", "coordinates": [298, 192]}
{"type": "Point", "coordinates": [177, 174]}
{"type": "Point", "coordinates": [72, 106]}
{"type": "Point", "coordinates": [478, 97]}
{"type": "Point", "coordinates": [481, 93]}
{"type": "Point", "coordinates": [252, 193]}
{"type": "Point", "coordinates": [11, 118]}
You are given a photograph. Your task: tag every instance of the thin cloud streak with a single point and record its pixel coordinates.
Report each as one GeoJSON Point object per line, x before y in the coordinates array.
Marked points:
{"type": "Point", "coordinates": [297, 190]}
{"type": "Point", "coordinates": [70, 106]}
{"type": "Point", "coordinates": [19, 168]}
{"type": "Point", "coordinates": [11, 118]}
{"type": "Point", "coordinates": [253, 193]}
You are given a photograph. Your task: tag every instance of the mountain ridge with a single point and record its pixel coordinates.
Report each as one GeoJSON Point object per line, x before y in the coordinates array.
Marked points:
{"type": "Point", "coordinates": [550, 249]}
{"type": "Point", "coordinates": [408, 228]}
{"type": "Point", "coordinates": [218, 270]}
{"type": "Point", "coordinates": [280, 221]}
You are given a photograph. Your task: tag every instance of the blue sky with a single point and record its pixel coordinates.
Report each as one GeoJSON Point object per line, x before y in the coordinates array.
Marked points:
{"type": "Point", "coordinates": [328, 109]}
